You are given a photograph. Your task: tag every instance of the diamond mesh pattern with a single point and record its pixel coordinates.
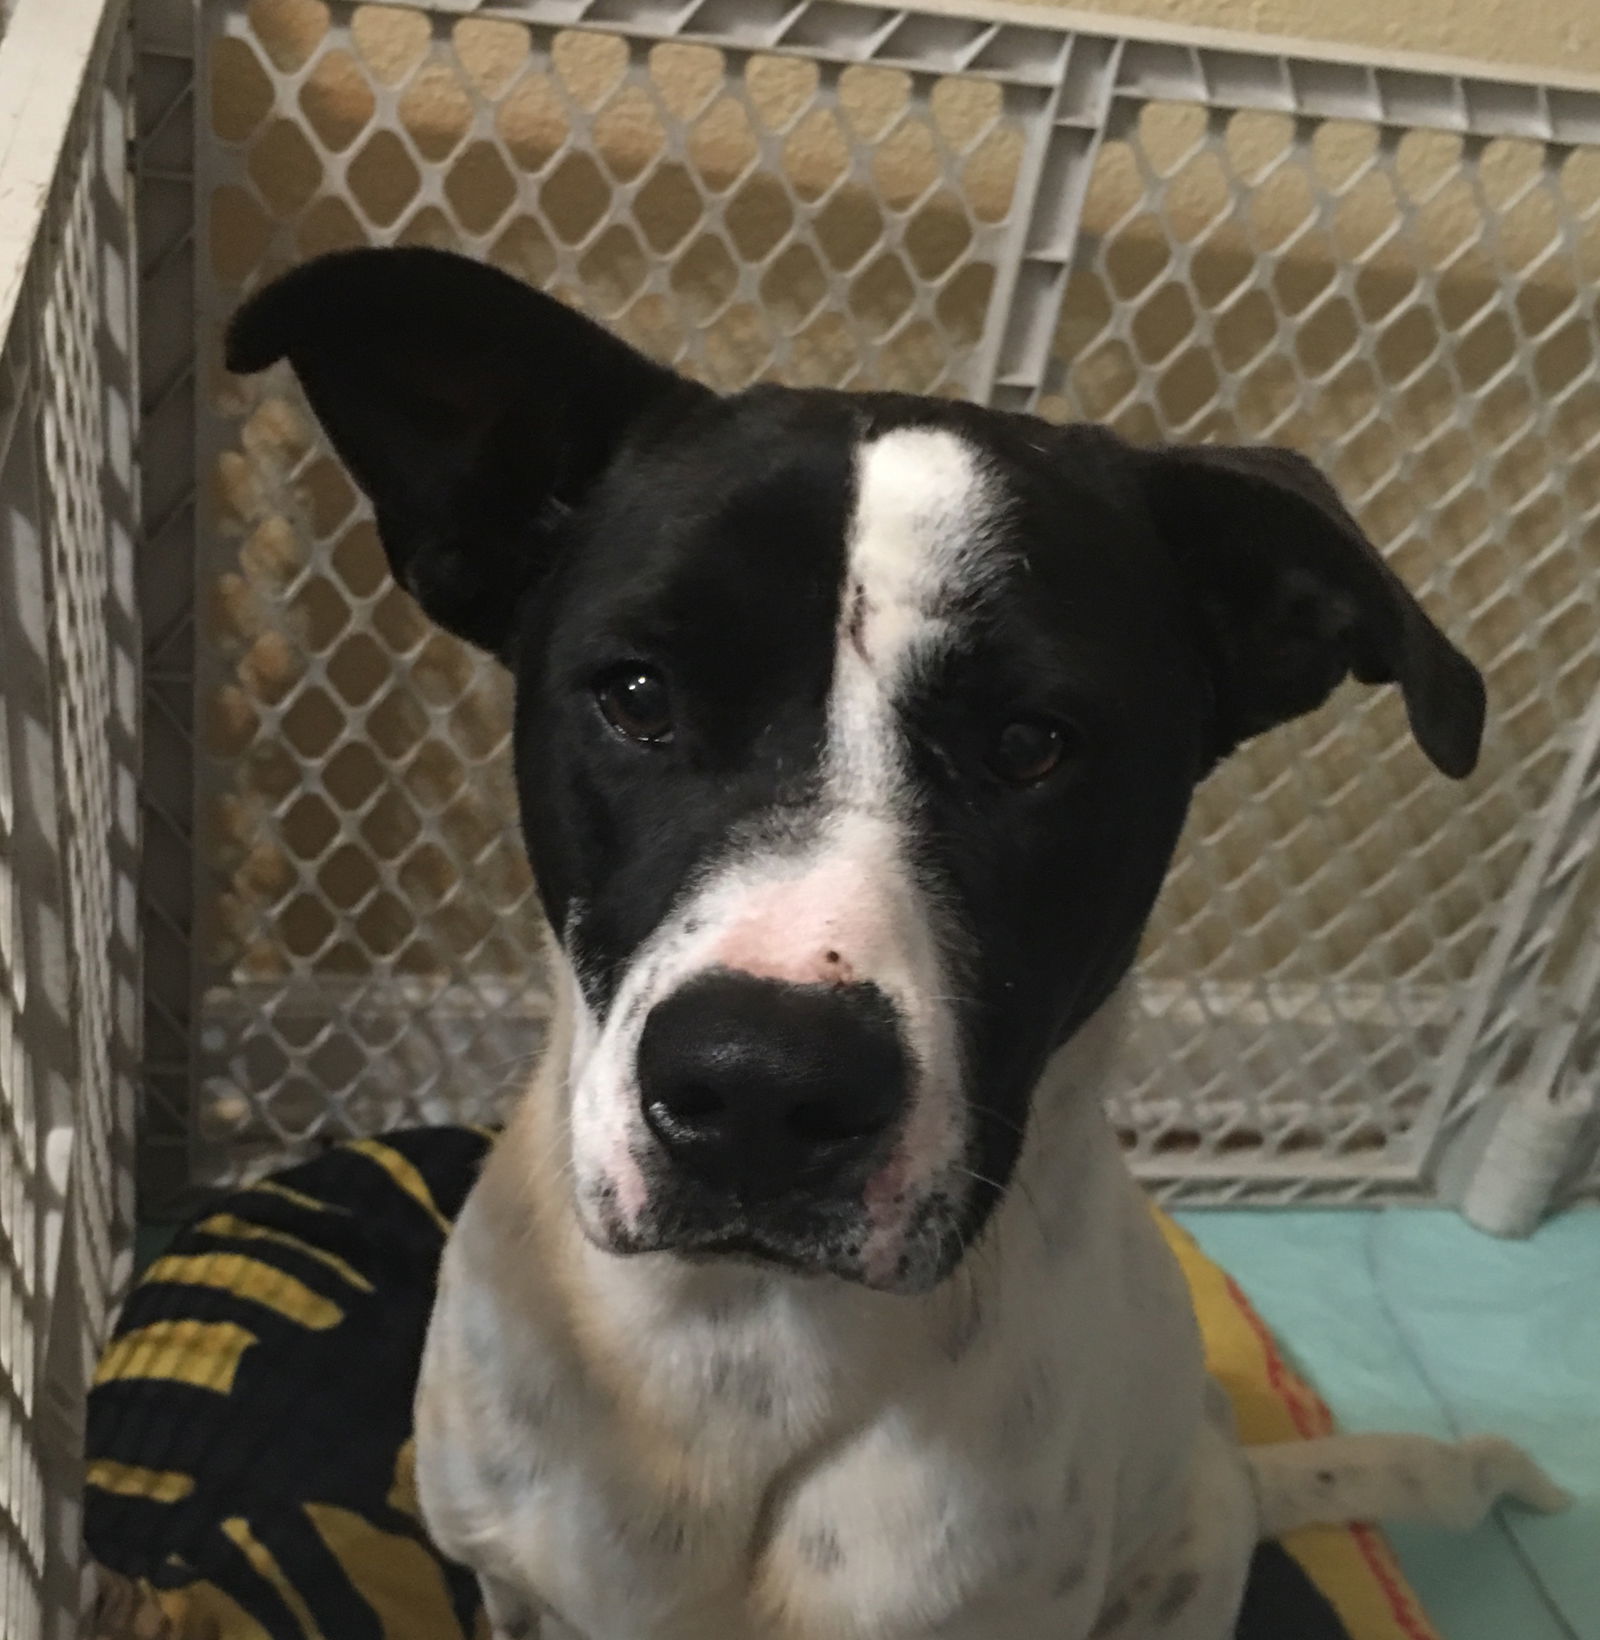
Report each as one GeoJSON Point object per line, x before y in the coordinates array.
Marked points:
{"type": "Point", "coordinates": [1390, 268]}
{"type": "Point", "coordinates": [743, 219]}
{"type": "Point", "coordinates": [68, 733]}
{"type": "Point", "coordinates": [1415, 310]}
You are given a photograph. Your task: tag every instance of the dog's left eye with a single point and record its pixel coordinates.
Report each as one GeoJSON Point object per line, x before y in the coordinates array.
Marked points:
{"type": "Point", "coordinates": [636, 703]}
{"type": "Point", "coordinates": [1028, 750]}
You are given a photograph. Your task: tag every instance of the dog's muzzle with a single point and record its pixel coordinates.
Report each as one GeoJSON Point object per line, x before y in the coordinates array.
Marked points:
{"type": "Point", "coordinates": [767, 1098]}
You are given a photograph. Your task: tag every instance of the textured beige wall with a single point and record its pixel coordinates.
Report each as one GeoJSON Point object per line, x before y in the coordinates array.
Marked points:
{"type": "Point", "coordinates": [1557, 34]}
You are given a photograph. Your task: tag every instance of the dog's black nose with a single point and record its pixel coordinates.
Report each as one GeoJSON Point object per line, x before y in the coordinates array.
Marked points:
{"type": "Point", "coordinates": [758, 1086]}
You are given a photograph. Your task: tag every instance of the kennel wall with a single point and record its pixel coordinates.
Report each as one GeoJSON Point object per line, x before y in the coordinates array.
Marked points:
{"type": "Point", "coordinates": [69, 705]}
{"type": "Point", "coordinates": [1389, 264]}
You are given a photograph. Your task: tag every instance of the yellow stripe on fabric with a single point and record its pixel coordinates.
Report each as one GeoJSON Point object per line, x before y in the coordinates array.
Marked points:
{"type": "Point", "coordinates": [405, 1174]}
{"type": "Point", "coordinates": [403, 1488]}
{"type": "Point", "coordinates": [1352, 1566]}
{"type": "Point", "coordinates": [249, 1278]}
{"type": "Point", "coordinates": [228, 1224]}
{"type": "Point", "coordinates": [262, 1561]}
{"type": "Point", "coordinates": [132, 1480]}
{"type": "Point", "coordinates": [1233, 1349]}
{"type": "Point", "coordinates": [271, 1187]}
{"type": "Point", "coordinates": [203, 1353]}
{"type": "Point", "coordinates": [402, 1583]}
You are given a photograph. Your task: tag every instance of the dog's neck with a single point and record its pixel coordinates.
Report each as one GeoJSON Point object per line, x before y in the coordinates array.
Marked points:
{"type": "Point", "coordinates": [806, 1358]}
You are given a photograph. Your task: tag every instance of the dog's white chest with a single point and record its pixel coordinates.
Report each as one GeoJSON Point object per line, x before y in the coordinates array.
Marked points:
{"type": "Point", "coordinates": [935, 1517]}
{"type": "Point", "coordinates": [946, 1520]}
{"type": "Point", "coordinates": [795, 1469]}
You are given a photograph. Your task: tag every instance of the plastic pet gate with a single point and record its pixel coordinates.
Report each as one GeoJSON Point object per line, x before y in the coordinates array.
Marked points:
{"type": "Point", "coordinates": [257, 881]}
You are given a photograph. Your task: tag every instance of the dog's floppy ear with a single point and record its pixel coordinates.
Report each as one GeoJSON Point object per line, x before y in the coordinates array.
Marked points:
{"type": "Point", "coordinates": [1293, 597]}
{"type": "Point", "coordinates": [472, 409]}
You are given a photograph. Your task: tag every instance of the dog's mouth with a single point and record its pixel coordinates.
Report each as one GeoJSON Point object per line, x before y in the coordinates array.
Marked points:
{"type": "Point", "coordinates": [804, 1235]}
{"type": "Point", "coordinates": [751, 1248]}
{"type": "Point", "coordinates": [795, 1234]}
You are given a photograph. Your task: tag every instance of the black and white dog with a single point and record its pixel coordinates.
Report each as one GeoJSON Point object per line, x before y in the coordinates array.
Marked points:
{"type": "Point", "coordinates": [807, 1295]}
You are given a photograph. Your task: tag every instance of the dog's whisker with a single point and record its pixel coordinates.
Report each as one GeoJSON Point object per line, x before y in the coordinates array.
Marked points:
{"type": "Point", "coordinates": [1018, 1186]}
{"type": "Point", "coordinates": [994, 1115]}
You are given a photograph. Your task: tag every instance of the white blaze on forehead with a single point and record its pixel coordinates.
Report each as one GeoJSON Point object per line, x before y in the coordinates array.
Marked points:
{"type": "Point", "coordinates": [922, 534]}
{"type": "Point", "coordinates": [924, 520]}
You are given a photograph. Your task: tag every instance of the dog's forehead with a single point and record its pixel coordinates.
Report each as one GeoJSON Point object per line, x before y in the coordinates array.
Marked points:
{"type": "Point", "coordinates": [784, 505]}
{"type": "Point", "coordinates": [751, 535]}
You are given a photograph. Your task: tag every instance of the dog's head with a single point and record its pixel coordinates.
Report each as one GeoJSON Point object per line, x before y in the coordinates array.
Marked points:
{"type": "Point", "coordinates": [853, 735]}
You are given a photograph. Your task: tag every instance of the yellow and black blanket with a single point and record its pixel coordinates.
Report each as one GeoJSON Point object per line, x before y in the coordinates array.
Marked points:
{"type": "Point", "coordinates": [249, 1438]}
{"type": "Point", "coordinates": [249, 1434]}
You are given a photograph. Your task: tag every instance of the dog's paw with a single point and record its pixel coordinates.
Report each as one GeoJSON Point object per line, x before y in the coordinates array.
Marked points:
{"type": "Point", "coordinates": [1503, 1470]}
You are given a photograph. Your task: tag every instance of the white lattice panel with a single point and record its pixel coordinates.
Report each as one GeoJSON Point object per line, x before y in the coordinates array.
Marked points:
{"type": "Point", "coordinates": [1389, 265]}
{"type": "Point", "coordinates": [1415, 309]}
{"type": "Point", "coordinates": [68, 737]}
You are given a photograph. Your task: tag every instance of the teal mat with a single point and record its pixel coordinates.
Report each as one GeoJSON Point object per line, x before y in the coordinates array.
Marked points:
{"type": "Point", "coordinates": [1412, 1320]}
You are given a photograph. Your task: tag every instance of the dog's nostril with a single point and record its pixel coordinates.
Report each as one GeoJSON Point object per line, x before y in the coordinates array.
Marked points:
{"type": "Point", "coordinates": [695, 1102]}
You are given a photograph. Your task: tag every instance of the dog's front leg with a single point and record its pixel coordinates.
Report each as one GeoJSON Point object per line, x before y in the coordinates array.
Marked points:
{"type": "Point", "coordinates": [471, 1448]}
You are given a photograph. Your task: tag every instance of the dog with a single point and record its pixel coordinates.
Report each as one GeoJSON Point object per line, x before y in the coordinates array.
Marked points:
{"type": "Point", "coordinates": [807, 1293]}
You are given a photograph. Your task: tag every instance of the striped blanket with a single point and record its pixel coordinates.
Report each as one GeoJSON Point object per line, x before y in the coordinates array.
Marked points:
{"type": "Point", "coordinates": [249, 1438]}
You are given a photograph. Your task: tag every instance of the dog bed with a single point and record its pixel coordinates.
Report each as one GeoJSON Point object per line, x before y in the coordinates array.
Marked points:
{"type": "Point", "coordinates": [249, 1452]}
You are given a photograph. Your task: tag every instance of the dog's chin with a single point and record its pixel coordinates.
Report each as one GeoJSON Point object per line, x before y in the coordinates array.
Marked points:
{"type": "Point", "coordinates": [806, 1240]}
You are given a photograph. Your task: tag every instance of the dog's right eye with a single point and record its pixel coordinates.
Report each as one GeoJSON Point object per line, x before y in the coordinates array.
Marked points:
{"type": "Point", "coordinates": [635, 701]}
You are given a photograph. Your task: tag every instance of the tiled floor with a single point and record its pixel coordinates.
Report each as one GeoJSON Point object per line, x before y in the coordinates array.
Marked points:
{"type": "Point", "coordinates": [1412, 1320]}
